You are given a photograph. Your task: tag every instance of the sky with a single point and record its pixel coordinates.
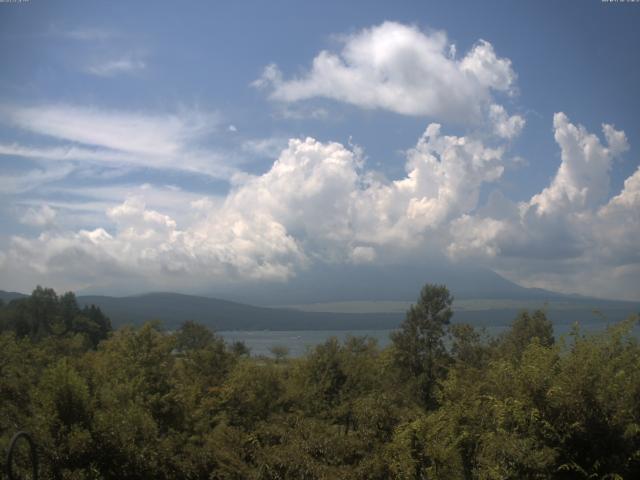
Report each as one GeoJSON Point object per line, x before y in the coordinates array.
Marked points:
{"type": "Point", "coordinates": [180, 146]}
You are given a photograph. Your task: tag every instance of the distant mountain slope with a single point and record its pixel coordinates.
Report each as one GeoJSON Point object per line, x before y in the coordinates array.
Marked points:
{"type": "Point", "coordinates": [6, 297]}
{"type": "Point", "coordinates": [173, 309]}
{"type": "Point", "coordinates": [381, 283]}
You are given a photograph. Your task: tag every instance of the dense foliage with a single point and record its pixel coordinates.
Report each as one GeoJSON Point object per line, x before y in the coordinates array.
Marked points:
{"type": "Point", "coordinates": [442, 402]}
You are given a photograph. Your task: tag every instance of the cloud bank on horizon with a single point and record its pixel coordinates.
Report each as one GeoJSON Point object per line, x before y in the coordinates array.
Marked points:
{"type": "Point", "coordinates": [319, 201]}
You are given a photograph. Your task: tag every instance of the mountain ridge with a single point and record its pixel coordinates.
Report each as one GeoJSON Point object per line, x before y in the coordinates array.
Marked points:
{"type": "Point", "coordinates": [172, 309]}
{"type": "Point", "coordinates": [335, 283]}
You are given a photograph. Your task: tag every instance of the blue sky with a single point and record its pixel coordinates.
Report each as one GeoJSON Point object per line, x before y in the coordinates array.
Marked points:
{"type": "Point", "coordinates": [147, 145]}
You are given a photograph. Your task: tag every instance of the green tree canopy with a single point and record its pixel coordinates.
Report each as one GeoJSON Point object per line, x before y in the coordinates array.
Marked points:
{"type": "Point", "coordinates": [419, 349]}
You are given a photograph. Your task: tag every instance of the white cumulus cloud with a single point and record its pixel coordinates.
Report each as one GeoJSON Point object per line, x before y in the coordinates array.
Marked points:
{"type": "Point", "coordinates": [582, 181]}
{"type": "Point", "coordinates": [402, 69]}
{"type": "Point", "coordinates": [317, 203]}
{"type": "Point", "coordinates": [568, 237]}
{"type": "Point", "coordinates": [505, 126]}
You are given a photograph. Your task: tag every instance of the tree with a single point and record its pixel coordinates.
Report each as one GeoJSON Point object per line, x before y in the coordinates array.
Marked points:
{"type": "Point", "coordinates": [467, 347]}
{"type": "Point", "coordinates": [64, 405]}
{"type": "Point", "coordinates": [239, 349]}
{"type": "Point", "coordinates": [35, 316]}
{"type": "Point", "coordinates": [44, 314]}
{"type": "Point", "coordinates": [193, 336]}
{"type": "Point", "coordinates": [251, 393]}
{"type": "Point", "coordinates": [418, 347]}
{"type": "Point", "coordinates": [69, 310]}
{"type": "Point", "coordinates": [524, 329]}
{"type": "Point", "coordinates": [280, 352]}
{"type": "Point", "coordinates": [96, 324]}
{"type": "Point", "coordinates": [322, 376]}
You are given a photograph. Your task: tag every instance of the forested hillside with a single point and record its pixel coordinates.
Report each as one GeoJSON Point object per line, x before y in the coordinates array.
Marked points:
{"type": "Point", "coordinates": [443, 401]}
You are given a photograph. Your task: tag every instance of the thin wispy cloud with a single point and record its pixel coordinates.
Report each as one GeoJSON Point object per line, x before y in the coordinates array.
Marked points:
{"type": "Point", "coordinates": [111, 68]}
{"type": "Point", "coordinates": [160, 134]}
{"type": "Point", "coordinates": [265, 147]}
{"type": "Point", "coordinates": [90, 33]}
{"type": "Point", "coordinates": [72, 139]}
{"type": "Point", "coordinates": [41, 216]}
{"type": "Point", "coordinates": [168, 140]}
{"type": "Point", "coordinates": [18, 183]}
{"type": "Point", "coordinates": [66, 153]}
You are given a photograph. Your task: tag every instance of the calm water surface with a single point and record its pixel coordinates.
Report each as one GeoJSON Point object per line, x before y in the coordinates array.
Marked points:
{"type": "Point", "coordinates": [299, 341]}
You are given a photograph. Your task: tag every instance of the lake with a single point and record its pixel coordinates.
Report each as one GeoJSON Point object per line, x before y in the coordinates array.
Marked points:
{"type": "Point", "coordinates": [299, 341]}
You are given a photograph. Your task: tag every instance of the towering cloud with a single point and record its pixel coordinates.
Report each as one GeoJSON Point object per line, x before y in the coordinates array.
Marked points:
{"type": "Point", "coordinates": [569, 233]}
{"type": "Point", "coordinates": [317, 203]}
{"type": "Point", "coordinates": [582, 181]}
